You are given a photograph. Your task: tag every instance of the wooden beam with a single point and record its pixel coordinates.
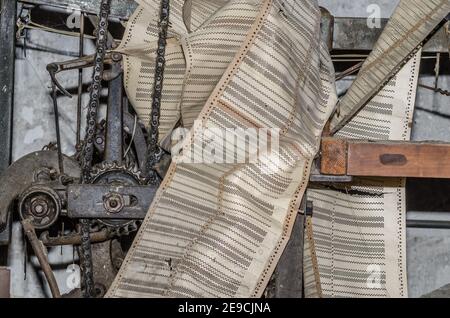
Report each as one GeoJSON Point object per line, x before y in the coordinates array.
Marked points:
{"type": "Point", "coordinates": [334, 156]}
{"type": "Point", "coordinates": [385, 159]}
{"type": "Point", "coordinates": [5, 282]}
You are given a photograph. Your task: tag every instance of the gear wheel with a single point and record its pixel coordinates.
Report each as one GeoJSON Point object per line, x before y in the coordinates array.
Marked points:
{"type": "Point", "coordinates": [118, 174]}
{"type": "Point", "coordinates": [125, 172]}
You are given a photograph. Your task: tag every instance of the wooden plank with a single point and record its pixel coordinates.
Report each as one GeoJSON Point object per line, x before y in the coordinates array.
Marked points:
{"type": "Point", "coordinates": [417, 160]}
{"type": "Point", "coordinates": [5, 282]}
{"type": "Point", "coordinates": [385, 159]}
{"type": "Point", "coordinates": [334, 157]}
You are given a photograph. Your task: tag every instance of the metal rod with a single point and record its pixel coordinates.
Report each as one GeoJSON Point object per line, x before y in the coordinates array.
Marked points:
{"type": "Point", "coordinates": [80, 80]}
{"type": "Point", "coordinates": [42, 258]}
{"type": "Point", "coordinates": [58, 133]}
{"type": "Point", "coordinates": [426, 224]}
{"type": "Point", "coordinates": [349, 71]}
{"type": "Point", "coordinates": [436, 90]}
{"type": "Point", "coordinates": [75, 239]}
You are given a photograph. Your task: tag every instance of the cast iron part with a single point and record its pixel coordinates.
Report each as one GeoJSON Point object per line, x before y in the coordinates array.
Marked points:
{"type": "Point", "coordinates": [116, 185]}
{"type": "Point", "coordinates": [113, 202]}
{"type": "Point", "coordinates": [41, 205]}
{"type": "Point", "coordinates": [110, 182]}
{"type": "Point", "coordinates": [113, 205]}
{"type": "Point", "coordinates": [36, 169]}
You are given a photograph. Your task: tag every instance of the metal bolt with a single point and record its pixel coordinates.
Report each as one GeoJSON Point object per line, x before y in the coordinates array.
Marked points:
{"type": "Point", "coordinates": [113, 202]}
{"type": "Point", "coordinates": [116, 57]}
{"type": "Point", "coordinates": [39, 207]}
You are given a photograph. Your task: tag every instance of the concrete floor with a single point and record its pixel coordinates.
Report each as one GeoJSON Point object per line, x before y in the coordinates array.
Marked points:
{"type": "Point", "coordinates": [428, 250]}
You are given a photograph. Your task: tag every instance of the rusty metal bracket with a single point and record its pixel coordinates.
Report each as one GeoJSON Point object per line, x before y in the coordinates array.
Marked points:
{"type": "Point", "coordinates": [109, 201]}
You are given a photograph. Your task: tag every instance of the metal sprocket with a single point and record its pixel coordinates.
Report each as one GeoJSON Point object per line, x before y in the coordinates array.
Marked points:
{"type": "Point", "coordinates": [121, 174]}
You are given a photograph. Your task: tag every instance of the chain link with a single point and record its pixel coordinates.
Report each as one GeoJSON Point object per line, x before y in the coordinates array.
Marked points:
{"type": "Point", "coordinates": [88, 151]}
{"type": "Point", "coordinates": [154, 151]}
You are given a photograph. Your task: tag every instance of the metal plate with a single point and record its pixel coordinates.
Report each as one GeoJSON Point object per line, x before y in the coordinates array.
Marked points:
{"type": "Point", "coordinates": [86, 201]}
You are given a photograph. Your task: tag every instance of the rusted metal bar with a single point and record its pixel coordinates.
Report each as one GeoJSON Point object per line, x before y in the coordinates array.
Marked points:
{"type": "Point", "coordinates": [5, 283]}
{"type": "Point", "coordinates": [7, 47]}
{"type": "Point", "coordinates": [91, 201]}
{"type": "Point", "coordinates": [75, 239]}
{"type": "Point", "coordinates": [42, 258]}
{"type": "Point", "coordinates": [114, 121]}
{"type": "Point", "coordinates": [385, 159]}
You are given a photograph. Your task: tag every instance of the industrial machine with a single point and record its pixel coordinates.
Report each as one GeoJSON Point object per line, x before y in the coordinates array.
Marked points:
{"type": "Point", "coordinates": [102, 193]}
